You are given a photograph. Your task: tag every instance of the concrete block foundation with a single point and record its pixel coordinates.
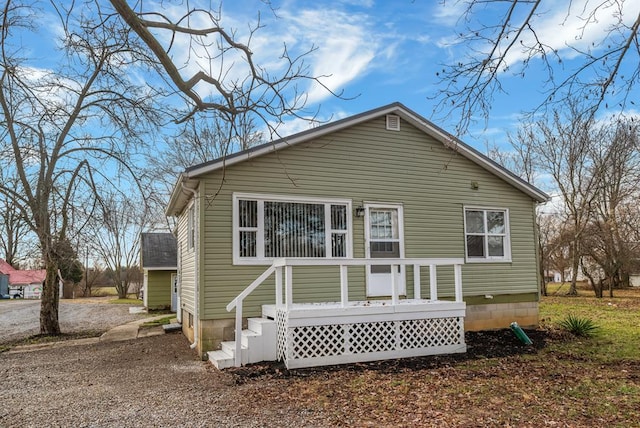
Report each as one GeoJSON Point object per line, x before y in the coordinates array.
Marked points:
{"type": "Point", "coordinates": [478, 317]}
{"type": "Point", "coordinates": [500, 315]}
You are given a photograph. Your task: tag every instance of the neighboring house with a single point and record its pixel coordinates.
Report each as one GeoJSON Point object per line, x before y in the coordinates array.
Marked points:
{"type": "Point", "coordinates": [26, 284]}
{"type": "Point", "coordinates": [159, 263]}
{"type": "Point", "coordinates": [553, 276]}
{"type": "Point", "coordinates": [376, 236]}
{"type": "Point", "coordinates": [4, 285]}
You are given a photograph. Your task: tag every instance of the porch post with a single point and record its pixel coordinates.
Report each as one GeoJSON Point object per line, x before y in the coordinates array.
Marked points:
{"type": "Point", "coordinates": [288, 286]}
{"type": "Point", "coordinates": [457, 269]}
{"type": "Point", "coordinates": [279, 287]}
{"type": "Point", "coordinates": [433, 282]}
{"type": "Point", "coordinates": [394, 286]}
{"type": "Point", "coordinates": [417, 294]}
{"type": "Point", "coordinates": [238, 336]}
{"type": "Point", "coordinates": [344, 285]}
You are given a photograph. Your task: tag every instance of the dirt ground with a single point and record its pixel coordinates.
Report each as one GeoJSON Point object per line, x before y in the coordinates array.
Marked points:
{"type": "Point", "coordinates": [21, 318]}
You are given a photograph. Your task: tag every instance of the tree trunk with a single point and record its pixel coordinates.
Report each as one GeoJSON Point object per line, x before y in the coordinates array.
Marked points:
{"type": "Point", "coordinates": [122, 290]}
{"type": "Point", "coordinates": [598, 289]}
{"type": "Point", "coordinates": [615, 282]}
{"type": "Point", "coordinates": [575, 263]}
{"type": "Point", "coordinates": [49, 301]}
{"type": "Point", "coordinates": [610, 290]}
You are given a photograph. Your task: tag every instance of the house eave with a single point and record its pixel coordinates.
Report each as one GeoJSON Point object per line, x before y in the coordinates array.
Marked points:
{"type": "Point", "coordinates": [448, 140]}
{"type": "Point", "coordinates": [156, 268]}
{"type": "Point", "coordinates": [473, 155]}
{"type": "Point", "coordinates": [199, 170]}
{"type": "Point", "coordinates": [181, 195]}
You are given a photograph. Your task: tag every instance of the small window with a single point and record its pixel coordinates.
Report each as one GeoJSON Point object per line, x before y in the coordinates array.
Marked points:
{"type": "Point", "coordinates": [248, 227]}
{"type": "Point", "coordinates": [339, 231]}
{"type": "Point", "coordinates": [393, 122]}
{"type": "Point", "coordinates": [487, 234]}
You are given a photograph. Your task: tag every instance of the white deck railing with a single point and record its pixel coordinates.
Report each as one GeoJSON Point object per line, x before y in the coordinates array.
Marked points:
{"type": "Point", "coordinates": [283, 269]}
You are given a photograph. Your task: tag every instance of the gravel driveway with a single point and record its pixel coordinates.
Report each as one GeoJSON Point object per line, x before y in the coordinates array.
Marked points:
{"type": "Point", "coordinates": [153, 381]}
{"type": "Point", "coordinates": [21, 318]}
{"type": "Point", "coordinates": [149, 382]}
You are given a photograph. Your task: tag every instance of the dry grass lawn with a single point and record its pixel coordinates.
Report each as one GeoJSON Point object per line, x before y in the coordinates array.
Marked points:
{"type": "Point", "coordinates": [562, 381]}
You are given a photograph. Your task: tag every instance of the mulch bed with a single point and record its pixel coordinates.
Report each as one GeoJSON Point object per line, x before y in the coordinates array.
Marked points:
{"type": "Point", "coordinates": [480, 345]}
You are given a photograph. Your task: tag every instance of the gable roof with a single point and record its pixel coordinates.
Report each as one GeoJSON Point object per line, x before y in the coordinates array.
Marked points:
{"type": "Point", "coordinates": [159, 250]}
{"type": "Point", "coordinates": [26, 277]}
{"type": "Point", "coordinates": [5, 268]}
{"type": "Point", "coordinates": [22, 277]}
{"type": "Point", "coordinates": [188, 179]}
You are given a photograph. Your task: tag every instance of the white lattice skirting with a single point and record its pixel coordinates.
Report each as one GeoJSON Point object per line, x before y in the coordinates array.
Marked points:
{"type": "Point", "coordinates": [314, 341]}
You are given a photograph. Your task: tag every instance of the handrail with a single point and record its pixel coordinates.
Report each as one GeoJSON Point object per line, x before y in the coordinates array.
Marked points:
{"type": "Point", "coordinates": [288, 263]}
{"type": "Point", "coordinates": [251, 287]}
{"type": "Point", "coordinates": [281, 262]}
{"type": "Point", "coordinates": [237, 303]}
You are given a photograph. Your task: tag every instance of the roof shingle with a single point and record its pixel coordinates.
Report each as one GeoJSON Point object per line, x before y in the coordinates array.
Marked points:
{"type": "Point", "coordinates": [159, 250]}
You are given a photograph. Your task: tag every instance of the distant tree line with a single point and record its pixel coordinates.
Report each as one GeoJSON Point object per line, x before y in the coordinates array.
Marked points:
{"type": "Point", "coordinates": [592, 167]}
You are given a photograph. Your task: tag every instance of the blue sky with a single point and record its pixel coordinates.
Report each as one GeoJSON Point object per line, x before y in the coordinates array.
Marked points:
{"type": "Point", "coordinates": [385, 51]}
{"type": "Point", "coordinates": [378, 52]}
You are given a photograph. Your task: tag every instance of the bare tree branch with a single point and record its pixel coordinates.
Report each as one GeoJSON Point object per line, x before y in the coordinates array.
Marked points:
{"type": "Point", "coordinates": [503, 39]}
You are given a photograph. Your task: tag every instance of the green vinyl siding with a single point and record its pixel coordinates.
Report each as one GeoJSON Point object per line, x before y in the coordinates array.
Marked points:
{"type": "Point", "coordinates": [159, 288]}
{"type": "Point", "coordinates": [367, 163]}
{"type": "Point", "coordinates": [186, 264]}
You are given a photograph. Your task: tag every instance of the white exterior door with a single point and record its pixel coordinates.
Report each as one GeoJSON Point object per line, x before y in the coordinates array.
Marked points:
{"type": "Point", "coordinates": [174, 292]}
{"type": "Point", "coordinates": [384, 239]}
{"type": "Point", "coordinates": [145, 289]}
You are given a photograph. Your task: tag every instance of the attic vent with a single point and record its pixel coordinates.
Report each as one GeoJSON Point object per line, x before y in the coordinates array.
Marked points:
{"type": "Point", "coordinates": [393, 122]}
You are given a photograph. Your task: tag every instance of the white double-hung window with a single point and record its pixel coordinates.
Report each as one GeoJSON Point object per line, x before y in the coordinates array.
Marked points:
{"type": "Point", "coordinates": [269, 227]}
{"type": "Point", "coordinates": [487, 234]}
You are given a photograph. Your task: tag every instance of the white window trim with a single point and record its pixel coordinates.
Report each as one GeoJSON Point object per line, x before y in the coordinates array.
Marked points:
{"type": "Point", "coordinates": [266, 197]}
{"type": "Point", "coordinates": [507, 242]}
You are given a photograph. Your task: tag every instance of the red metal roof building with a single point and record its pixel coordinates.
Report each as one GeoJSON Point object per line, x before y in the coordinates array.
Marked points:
{"type": "Point", "coordinates": [28, 282]}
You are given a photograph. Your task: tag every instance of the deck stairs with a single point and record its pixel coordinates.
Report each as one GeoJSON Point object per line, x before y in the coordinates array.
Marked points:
{"type": "Point", "coordinates": [258, 344]}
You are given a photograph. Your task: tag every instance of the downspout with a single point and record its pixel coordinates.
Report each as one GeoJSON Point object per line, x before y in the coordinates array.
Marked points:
{"type": "Point", "coordinates": [196, 286]}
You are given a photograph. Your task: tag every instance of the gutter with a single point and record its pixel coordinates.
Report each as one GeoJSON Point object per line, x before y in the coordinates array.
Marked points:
{"type": "Point", "coordinates": [196, 286]}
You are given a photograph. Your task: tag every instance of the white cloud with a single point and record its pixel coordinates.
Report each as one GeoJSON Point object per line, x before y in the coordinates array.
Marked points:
{"type": "Point", "coordinates": [569, 26]}
{"type": "Point", "coordinates": [448, 13]}
{"type": "Point", "coordinates": [360, 3]}
{"type": "Point", "coordinates": [230, 68]}
{"type": "Point", "coordinates": [446, 42]}
{"type": "Point", "coordinates": [345, 47]}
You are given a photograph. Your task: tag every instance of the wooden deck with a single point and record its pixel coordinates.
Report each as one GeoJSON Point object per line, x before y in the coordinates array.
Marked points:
{"type": "Point", "coordinates": [326, 333]}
